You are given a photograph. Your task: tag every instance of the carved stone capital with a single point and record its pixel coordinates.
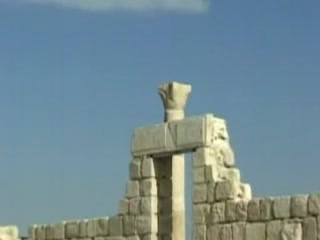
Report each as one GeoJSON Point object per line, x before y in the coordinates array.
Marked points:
{"type": "Point", "coordinates": [174, 98]}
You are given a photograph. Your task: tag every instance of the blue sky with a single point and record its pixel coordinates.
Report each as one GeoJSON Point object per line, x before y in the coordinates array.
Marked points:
{"type": "Point", "coordinates": [76, 80]}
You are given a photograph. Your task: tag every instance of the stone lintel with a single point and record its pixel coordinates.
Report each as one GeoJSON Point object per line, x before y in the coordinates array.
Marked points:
{"type": "Point", "coordinates": [174, 136]}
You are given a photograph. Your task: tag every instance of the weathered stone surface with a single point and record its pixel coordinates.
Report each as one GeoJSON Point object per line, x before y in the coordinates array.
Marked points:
{"type": "Point", "coordinates": [281, 207]}
{"type": "Point", "coordinates": [9, 232]}
{"type": "Point", "coordinates": [226, 232]}
{"type": "Point", "coordinates": [150, 237]}
{"type": "Point", "coordinates": [245, 191]}
{"type": "Point", "coordinates": [41, 232]}
{"type": "Point", "coordinates": [291, 231]}
{"type": "Point", "coordinates": [199, 232]}
{"type": "Point", "coordinates": [213, 232]}
{"type": "Point", "coordinates": [211, 191]}
{"type": "Point", "coordinates": [241, 210]}
{"type": "Point", "coordinates": [226, 190]}
{"type": "Point", "coordinates": [200, 213]}
{"type": "Point", "coordinates": [314, 203]}
{"type": "Point", "coordinates": [217, 213]}
{"type": "Point", "coordinates": [49, 232]}
{"type": "Point", "coordinates": [97, 227]}
{"type": "Point", "coordinates": [32, 232]}
{"type": "Point", "coordinates": [273, 230]}
{"type": "Point", "coordinates": [203, 156]}
{"type": "Point", "coordinates": [149, 205]}
{"type": "Point", "coordinates": [83, 228]}
{"type": "Point", "coordinates": [199, 175]}
{"type": "Point", "coordinates": [135, 169]}
{"type": "Point", "coordinates": [239, 230]}
{"type": "Point", "coordinates": [132, 189]}
{"type": "Point", "coordinates": [231, 211]}
{"type": "Point", "coordinates": [59, 231]}
{"type": "Point", "coordinates": [299, 205]}
{"type": "Point", "coordinates": [135, 237]}
{"type": "Point", "coordinates": [129, 225]}
{"type": "Point", "coordinates": [211, 172]}
{"type": "Point", "coordinates": [134, 206]}
{"type": "Point", "coordinates": [123, 206]}
{"type": "Point", "coordinates": [148, 168]}
{"type": "Point", "coordinates": [254, 209]}
{"type": "Point", "coordinates": [146, 224]}
{"type": "Point", "coordinates": [148, 187]}
{"type": "Point", "coordinates": [72, 229]}
{"type": "Point", "coordinates": [231, 174]}
{"type": "Point", "coordinates": [309, 228]}
{"type": "Point", "coordinates": [115, 226]}
{"type": "Point", "coordinates": [255, 231]}
{"type": "Point", "coordinates": [115, 238]}
{"type": "Point", "coordinates": [199, 193]}
{"type": "Point", "coordinates": [266, 208]}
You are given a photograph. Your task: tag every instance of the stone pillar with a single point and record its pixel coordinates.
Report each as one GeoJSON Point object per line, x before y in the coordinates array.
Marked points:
{"type": "Point", "coordinates": [174, 97]}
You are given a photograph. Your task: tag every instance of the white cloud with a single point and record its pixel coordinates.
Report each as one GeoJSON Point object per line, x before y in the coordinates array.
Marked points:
{"type": "Point", "coordinates": [195, 6]}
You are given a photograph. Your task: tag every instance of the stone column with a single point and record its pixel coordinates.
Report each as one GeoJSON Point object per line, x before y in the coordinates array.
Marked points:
{"type": "Point", "coordinates": [174, 97]}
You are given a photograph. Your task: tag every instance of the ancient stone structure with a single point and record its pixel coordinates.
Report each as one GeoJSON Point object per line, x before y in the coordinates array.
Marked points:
{"type": "Point", "coordinates": [153, 206]}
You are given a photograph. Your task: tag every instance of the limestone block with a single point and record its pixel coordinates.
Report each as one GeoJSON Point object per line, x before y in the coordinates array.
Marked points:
{"type": "Point", "coordinates": [254, 210]}
{"type": "Point", "coordinates": [132, 189]}
{"type": "Point", "coordinates": [115, 238]}
{"type": "Point", "coordinates": [211, 191]}
{"type": "Point", "coordinates": [123, 206]}
{"type": "Point", "coordinates": [165, 206]}
{"type": "Point", "coordinates": [273, 230]}
{"type": "Point", "coordinates": [186, 134]}
{"type": "Point", "coordinates": [314, 203]}
{"type": "Point", "coordinates": [150, 237]}
{"type": "Point", "coordinates": [266, 208]}
{"type": "Point", "coordinates": [291, 231]}
{"type": "Point", "coordinates": [72, 229]}
{"type": "Point", "coordinates": [318, 227]}
{"type": "Point", "coordinates": [213, 232]}
{"type": "Point", "coordinates": [134, 237]}
{"type": "Point", "coordinates": [239, 230]}
{"type": "Point", "coordinates": [309, 228]}
{"type": "Point", "coordinates": [199, 232]}
{"type": "Point", "coordinates": [129, 225]}
{"type": "Point", "coordinates": [217, 213]}
{"type": "Point", "coordinates": [83, 228]}
{"type": "Point", "coordinates": [9, 232]}
{"type": "Point", "coordinates": [199, 175]}
{"type": "Point", "coordinates": [148, 168]}
{"type": "Point", "coordinates": [148, 187]}
{"type": "Point", "coordinates": [203, 156]}
{"type": "Point", "coordinates": [101, 226]}
{"type": "Point", "coordinates": [226, 232]}
{"type": "Point", "coordinates": [165, 224]}
{"type": "Point", "coordinates": [299, 205]}
{"type": "Point", "coordinates": [115, 226]}
{"type": "Point", "coordinates": [226, 190]}
{"type": "Point", "coordinates": [225, 154]}
{"type": "Point", "coordinates": [230, 211]}
{"type": "Point", "coordinates": [32, 232]}
{"type": "Point", "coordinates": [135, 169]}
{"type": "Point", "coordinates": [231, 174]}
{"type": "Point", "coordinates": [242, 210]}
{"type": "Point", "coordinates": [149, 205]}
{"type": "Point", "coordinates": [211, 173]}
{"type": "Point", "coordinates": [200, 212]}
{"type": "Point", "coordinates": [49, 232]}
{"type": "Point", "coordinates": [281, 207]}
{"type": "Point", "coordinates": [59, 231]}
{"type": "Point", "coordinates": [147, 224]}
{"type": "Point", "coordinates": [199, 193]}
{"type": "Point", "coordinates": [165, 188]}
{"type": "Point", "coordinates": [245, 192]}
{"type": "Point", "coordinates": [41, 232]}
{"type": "Point", "coordinates": [134, 206]}
{"type": "Point", "coordinates": [255, 231]}
{"type": "Point", "coordinates": [148, 140]}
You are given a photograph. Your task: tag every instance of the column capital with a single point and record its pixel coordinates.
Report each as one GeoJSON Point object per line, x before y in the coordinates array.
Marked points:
{"type": "Point", "coordinates": [174, 97]}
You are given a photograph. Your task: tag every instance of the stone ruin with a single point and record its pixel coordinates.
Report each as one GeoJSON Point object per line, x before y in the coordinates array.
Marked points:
{"type": "Point", "coordinates": [153, 207]}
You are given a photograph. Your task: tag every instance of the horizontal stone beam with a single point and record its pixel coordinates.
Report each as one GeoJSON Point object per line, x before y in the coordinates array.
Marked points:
{"type": "Point", "coordinates": [175, 136]}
